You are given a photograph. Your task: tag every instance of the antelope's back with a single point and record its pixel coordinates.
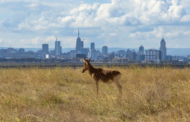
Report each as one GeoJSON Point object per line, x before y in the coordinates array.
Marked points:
{"type": "Point", "coordinates": [107, 75]}
{"type": "Point", "coordinates": [111, 72]}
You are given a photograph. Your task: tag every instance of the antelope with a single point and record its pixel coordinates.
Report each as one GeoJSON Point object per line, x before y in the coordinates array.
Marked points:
{"type": "Point", "coordinates": [101, 75]}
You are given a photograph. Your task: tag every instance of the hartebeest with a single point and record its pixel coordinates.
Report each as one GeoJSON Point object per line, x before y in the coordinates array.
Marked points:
{"type": "Point", "coordinates": [101, 75]}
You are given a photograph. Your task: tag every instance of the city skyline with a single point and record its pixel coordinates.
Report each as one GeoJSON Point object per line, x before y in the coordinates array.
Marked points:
{"type": "Point", "coordinates": [79, 44]}
{"type": "Point", "coordinates": [113, 23]}
{"type": "Point", "coordinates": [171, 51]}
{"type": "Point", "coordinates": [126, 55]}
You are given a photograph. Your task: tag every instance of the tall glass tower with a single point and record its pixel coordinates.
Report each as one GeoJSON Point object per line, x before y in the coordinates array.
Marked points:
{"type": "Point", "coordinates": [57, 48]}
{"type": "Point", "coordinates": [45, 48]}
{"type": "Point", "coordinates": [105, 50]}
{"type": "Point", "coordinates": [163, 49]}
{"type": "Point", "coordinates": [79, 43]}
{"type": "Point", "coordinates": [141, 50]}
{"type": "Point", "coordinates": [92, 46]}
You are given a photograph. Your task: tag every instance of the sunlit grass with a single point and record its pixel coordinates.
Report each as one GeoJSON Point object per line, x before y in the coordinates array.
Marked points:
{"type": "Point", "coordinates": [65, 94]}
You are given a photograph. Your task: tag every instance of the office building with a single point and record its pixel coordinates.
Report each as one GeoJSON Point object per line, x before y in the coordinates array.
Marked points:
{"type": "Point", "coordinates": [57, 48]}
{"type": "Point", "coordinates": [11, 50]}
{"type": "Point", "coordinates": [45, 56]}
{"type": "Point", "coordinates": [84, 51]}
{"type": "Point", "coordinates": [141, 55]}
{"type": "Point", "coordinates": [79, 43]}
{"type": "Point", "coordinates": [20, 55]}
{"type": "Point", "coordinates": [168, 57]}
{"type": "Point", "coordinates": [141, 50]}
{"type": "Point", "coordinates": [121, 53]}
{"type": "Point", "coordinates": [153, 55]}
{"type": "Point", "coordinates": [80, 56]}
{"type": "Point", "coordinates": [93, 54]}
{"type": "Point", "coordinates": [60, 49]}
{"type": "Point", "coordinates": [73, 53]}
{"type": "Point", "coordinates": [104, 50]}
{"type": "Point", "coordinates": [92, 46]}
{"type": "Point", "coordinates": [21, 50]}
{"type": "Point", "coordinates": [132, 56]}
{"type": "Point", "coordinates": [45, 48]}
{"type": "Point", "coordinates": [163, 49]}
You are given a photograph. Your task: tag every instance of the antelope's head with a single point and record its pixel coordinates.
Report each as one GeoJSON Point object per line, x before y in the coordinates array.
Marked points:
{"type": "Point", "coordinates": [86, 65]}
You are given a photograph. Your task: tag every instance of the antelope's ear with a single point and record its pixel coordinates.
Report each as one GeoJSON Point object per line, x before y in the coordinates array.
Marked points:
{"type": "Point", "coordinates": [85, 59]}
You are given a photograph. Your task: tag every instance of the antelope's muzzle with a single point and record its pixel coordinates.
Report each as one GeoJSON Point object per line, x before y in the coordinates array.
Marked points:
{"type": "Point", "coordinates": [83, 71]}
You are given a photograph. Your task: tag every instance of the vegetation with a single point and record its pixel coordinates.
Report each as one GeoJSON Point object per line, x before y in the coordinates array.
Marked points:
{"type": "Point", "coordinates": [65, 94]}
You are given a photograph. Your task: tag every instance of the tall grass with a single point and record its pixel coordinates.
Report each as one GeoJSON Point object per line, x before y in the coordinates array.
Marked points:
{"type": "Point", "coordinates": [65, 94]}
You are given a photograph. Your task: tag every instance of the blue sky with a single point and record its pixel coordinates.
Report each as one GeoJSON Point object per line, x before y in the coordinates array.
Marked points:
{"type": "Point", "coordinates": [115, 23]}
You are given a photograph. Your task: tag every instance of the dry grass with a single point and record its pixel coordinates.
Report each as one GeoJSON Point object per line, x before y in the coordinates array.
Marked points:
{"type": "Point", "coordinates": [65, 94]}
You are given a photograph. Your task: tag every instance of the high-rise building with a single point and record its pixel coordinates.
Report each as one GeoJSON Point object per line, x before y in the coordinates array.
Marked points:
{"type": "Point", "coordinates": [60, 49]}
{"type": "Point", "coordinates": [132, 56]}
{"type": "Point", "coordinates": [153, 55]}
{"type": "Point", "coordinates": [79, 43]}
{"type": "Point", "coordinates": [92, 46]}
{"type": "Point", "coordinates": [141, 56]}
{"type": "Point", "coordinates": [84, 51]}
{"type": "Point", "coordinates": [121, 53]}
{"type": "Point", "coordinates": [93, 54]}
{"type": "Point", "coordinates": [45, 48]}
{"type": "Point", "coordinates": [105, 50]}
{"type": "Point", "coordinates": [127, 53]}
{"type": "Point", "coordinates": [10, 50]}
{"type": "Point", "coordinates": [21, 50]}
{"type": "Point", "coordinates": [57, 48]}
{"type": "Point", "coordinates": [141, 50]}
{"type": "Point", "coordinates": [163, 49]}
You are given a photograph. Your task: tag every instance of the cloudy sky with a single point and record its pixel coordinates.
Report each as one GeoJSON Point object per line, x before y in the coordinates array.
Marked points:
{"type": "Point", "coordinates": [115, 23]}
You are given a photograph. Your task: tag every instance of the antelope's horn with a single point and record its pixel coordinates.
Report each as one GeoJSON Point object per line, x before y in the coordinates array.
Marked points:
{"type": "Point", "coordinates": [90, 58]}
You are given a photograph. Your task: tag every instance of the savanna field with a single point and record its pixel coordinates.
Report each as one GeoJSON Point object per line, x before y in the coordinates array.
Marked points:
{"type": "Point", "coordinates": [67, 95]}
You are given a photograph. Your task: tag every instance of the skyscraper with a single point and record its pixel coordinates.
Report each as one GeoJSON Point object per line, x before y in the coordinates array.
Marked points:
{"type": "Point", "coordinates": [45, 48]}
{"type": "Point", "coordinates": [92, 46]}
{"type": "Point", "coordinates": [163, 49]}
{"type": "Point", "coordinates": [57, 48]}
{"type": "Point", "coordinates": [60, 49]}
{"type": "Point", "coordinates": [105, 50]}
{"type": "Point", "coordinates": [79, 43]}
{"type": "Point", "coordinates": [84, 51]}
{"type": "Point", "coordinates": [93, 54]}
{"type": "Point", "coordinates": [141, 50]}
{"type": "Point", "coordinates": [141, 56]}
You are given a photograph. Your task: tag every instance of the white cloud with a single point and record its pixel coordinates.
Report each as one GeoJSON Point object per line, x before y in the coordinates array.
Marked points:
{"type": "Point", "coordinates": [105, 23]}
{"type": "Point", "coordinates": [185, 3]}
{"type": "Point", "coordinates": [118, 12]}
{"type": "Point", "coordinates": [1, 40]}
{"type": "Point", "coordinates": [159, 32]}
{"type": "Point", "coordinates": [185, 18]}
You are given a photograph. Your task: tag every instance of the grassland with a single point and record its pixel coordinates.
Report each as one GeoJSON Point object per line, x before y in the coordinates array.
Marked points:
{"type": "Point", "coordinates": [65, 94]}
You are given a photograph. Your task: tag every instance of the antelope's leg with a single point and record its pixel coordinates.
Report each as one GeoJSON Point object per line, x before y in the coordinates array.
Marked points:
{"type": "Point", "coordinates": [119, 86]}
{"type": "Point", "coordinates": [97, 87]}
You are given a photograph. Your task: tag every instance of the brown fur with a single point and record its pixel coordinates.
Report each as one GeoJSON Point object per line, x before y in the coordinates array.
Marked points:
{"type": "Point", "coordinates": [105, 76]}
